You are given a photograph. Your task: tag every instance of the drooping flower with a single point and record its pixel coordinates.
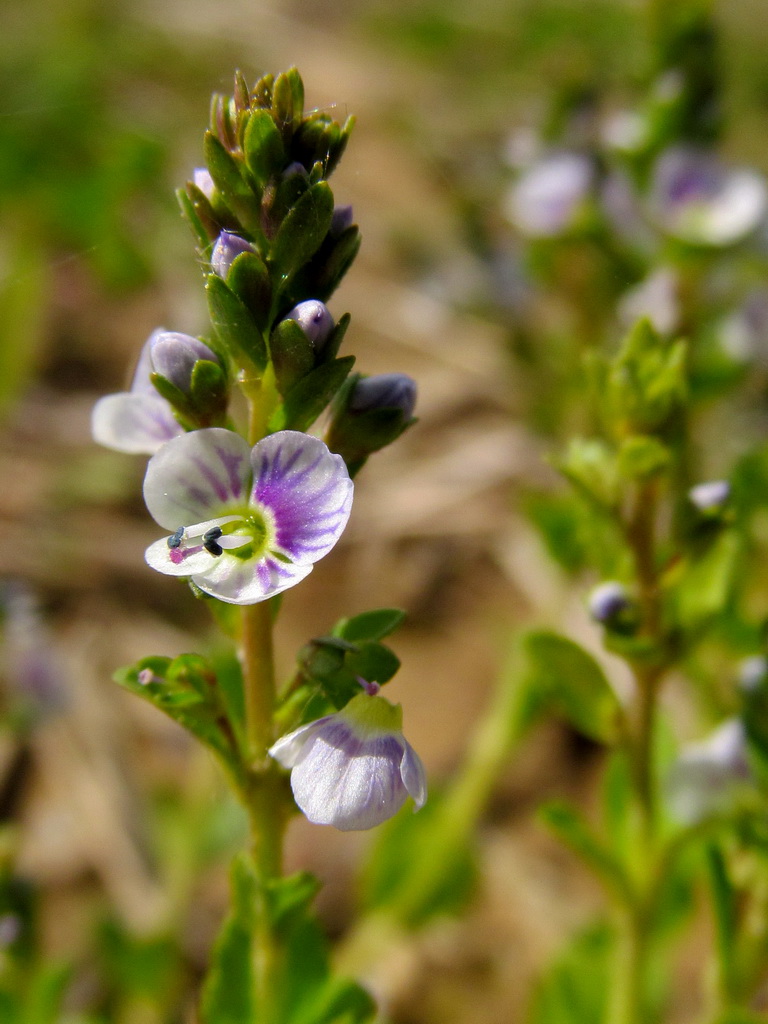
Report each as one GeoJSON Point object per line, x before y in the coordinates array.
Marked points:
{"type": "Point", "coordinates": [139, 421]}
{"type": "Point", "coordinates": [247, 523]}
{"type": "Point", "coordinates": [697, 199]}
{"type": "Point", "coordinates": [547, 198]}
{"type": "Point", "coordinates": [353, 769]}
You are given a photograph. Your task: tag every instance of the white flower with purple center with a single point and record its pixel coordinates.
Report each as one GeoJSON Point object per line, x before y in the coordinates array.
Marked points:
{"type": "Point", "coordinates": [353, 769]}
{"type": "Point", "coordinates": [246, 523]}
{"type": "Point", "coordinates": [138, 421]}
{"type": "Point", "coordinates": [700, 201]}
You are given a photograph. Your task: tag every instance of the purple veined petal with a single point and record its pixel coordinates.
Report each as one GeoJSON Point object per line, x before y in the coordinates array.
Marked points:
{"type": "Point", "coordinates": [248, 581]}
{"type": "Point", "coordinates": [413, 775]}
{"type": "Point", "coordinates": [198, 476]}
{"type": "Point", "coordinates": [306, 490]}
{"type": "Point", "coordinates": [349, 782]}
{"type": "Point", "coordinates": [188, 556]}
{"type": "Point", "coordinates": [141, 376]}
{"type": "Point", "coordinates": [134, 422]}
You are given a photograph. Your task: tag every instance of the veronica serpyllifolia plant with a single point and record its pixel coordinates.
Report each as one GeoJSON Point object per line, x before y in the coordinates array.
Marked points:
{"type": "Point", "coordinates": [249, 503]}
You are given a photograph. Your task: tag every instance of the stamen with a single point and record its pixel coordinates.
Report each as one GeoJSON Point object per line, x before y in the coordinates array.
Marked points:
{"type": "Point", "coordinates": [175, 540]}
{"type": "Point", "coordinates": [212, 547]}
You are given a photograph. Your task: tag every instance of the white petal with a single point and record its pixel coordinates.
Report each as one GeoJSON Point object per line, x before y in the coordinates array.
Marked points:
{"type": "Point", "coordinates": [133, 422]}
{"type": "Point", "coordinates": [159, 556]}
{"type": "Point", "coordinates": [306, 489]}
{"type": "Point", "coordinates": [142, 381]}
{"type": "Point", "coordinates": [198, 476]}
{"type": "Point", "coordinates": [287, 750]}
{"type": "Point", "coordinates": [413, 775]}
{"type": "Point", "coordinates": [351, 784]}
{"type": "Point", "coordinates": [248, 581]}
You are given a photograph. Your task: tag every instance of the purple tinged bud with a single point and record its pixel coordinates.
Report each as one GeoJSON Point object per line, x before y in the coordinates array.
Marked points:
{"type": "Point", "coordinates": [385, 391]}
{"type": "Point", "coordinates": [343, 218]}
{"type": "Point", "coordinates": [710, 496]}
{"type": "Point", "coordinates": [314, 318]}
{"type": "Point", "coordinates": [202, 179]}
{"type": "Point", "coordinates": [607, 602]}
{"type": "Point", "coordinates": [228, 247]}
{"type": "Point", "coordinates": [174, 356]}
{"type": "Point", "coordinates": [293, 169]}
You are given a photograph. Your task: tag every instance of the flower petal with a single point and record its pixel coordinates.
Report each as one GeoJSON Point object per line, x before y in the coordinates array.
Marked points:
{"type": "Point", "coordinates": [306, 489]}
{"type": "Point", "coordinates": [198, 476]}
{"type": "Point", "coordinates": [133, 422]}
{"type": "Point", "coordinates": [188, 555]}
{"type": "Point", "coordinates": [248, 581]}
{"type": "Point", "coordinates": [287, 750]}
{"type": "Point", "coordinates": [413, 775]}
{"type": "Point", "coordinates": [347, 782]}
{"type": "Point", "coordinates": [142, 380]}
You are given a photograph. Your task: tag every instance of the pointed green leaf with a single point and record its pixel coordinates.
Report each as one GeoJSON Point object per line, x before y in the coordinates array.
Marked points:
{"type": "Point", "coordinates": [373, 625]}
{"type": "Point", "coordinates": [263, 144]}
{"type": "Point", "coordinates": [307, 400]}
{"type": "Point", "coordinates": [235, 191]}
{"type": "Point", "coordinates": [248, 279]}
{"type": "Point", "coordinates": [233, 322]}
{"type": "Point", "coordinates": [228, 993]}
{"type": "Point", "coordinates": [292, 354]}
{"type": "Point", "coordinates": [574, 685]}
{"type": "Point", "coordinates": [303, 230]}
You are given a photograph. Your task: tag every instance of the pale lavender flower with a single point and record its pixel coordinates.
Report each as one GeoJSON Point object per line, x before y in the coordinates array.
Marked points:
{"type": "Point", "coordinates": [697, 199]}
{"type": "Point", "coordinates": [202, 179]}
{"type": "Point", "coordinates": [314, 318]}
{"type": "Point", "coordinates": [247, 523]}
{"type": "Point", "coordinates": [708, 777]}
{"type": "Point", "coordinates": [548, 197]}
{"type": "Point", "coordinates": [138, 421]}
{"type": "Point", "coordinates": [655, 298]}
{"type": "Point", "coordinates": [226, 250]}
{"type": "Point", "coordinates": [174, 355]}
{"type": "Point", "coordinates": [353, 769]}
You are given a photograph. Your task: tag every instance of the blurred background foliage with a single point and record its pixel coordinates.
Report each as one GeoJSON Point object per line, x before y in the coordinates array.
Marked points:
{"type": "Point", "coordinates": [115, 831]}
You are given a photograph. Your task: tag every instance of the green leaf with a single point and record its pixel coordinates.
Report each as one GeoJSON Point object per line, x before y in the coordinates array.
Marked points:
{"type": "Point", "coordinates": [234, 190]}
{"type": "Point", "coordinates": [573, 683]}
{"type": "Point", "coordinates": [310, 396]}
{"type": "Point", "coordinates": [248, 279]}
{"type": "Point", "coordinates": [302, 231]}
{"type": "Point", "coordinates": [263, 145]}
{"type": "Point", "coordinates": [641, 457]}
{"type": "Point", "coordinates": [373, 661]}
{"type": "Point", "coordinates": [288, 101]}
{"type": "Point", "coordinates": [706, 584]}
{"type": "Point", "coordinates": [571, 829]}
{"type": "Point", "coordinates": [575, 990]}
{"type": "Point", "coordinates": [648, 379]}
{"type": "Point", "coordinates": [292, 354]}
{"type": "Point", "coordinates": [45, 994]}
{"type": "Point", "coordinates": [228, 992]}
{"type": "Point", "coordinates": [209, 392]}
{"type": "Point", "coordinates": [591, 468]}
{"type": "Point", "coordinates": [373, 625]}
{"type": "Point", "coordinates": [233, 322]}
{"type": "Point", "coordinates": [195, 221]}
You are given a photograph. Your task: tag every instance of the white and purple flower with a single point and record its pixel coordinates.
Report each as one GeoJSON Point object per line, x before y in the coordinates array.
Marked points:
{"type": "Point", "coordinates": [711, 776]}
{"type": "Point", "coordinates": [353, 769]}
{"type": "Point", "coordinates": [699, 200]}
{"type": "Point", "coordinates": [138, 421]}
{"type": "Point", "coordinates": [549, 197]}
{"type": "Point", "coordinates": [246, 523]}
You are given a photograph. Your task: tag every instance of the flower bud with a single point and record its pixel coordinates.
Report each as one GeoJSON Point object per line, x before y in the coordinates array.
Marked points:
{"type": "Point", "coordinates": [174, 356]}
{"type": "Point", "coordinates": [710, 496]}
{"type": "Point", "coordinates": [314, 318]}
{"type": "Point", "coordinates": [293, 169]}
{"type": "Point", "coordinates": [228, 247]}
{"type": "Point", "coordinates": [343, 218]}
{"type": "Point", "coordinates": [384, 391]}
{"type": "Point", "coordinates": [202, 179]}
{"type": "Point", "coordinates": [611, 606]}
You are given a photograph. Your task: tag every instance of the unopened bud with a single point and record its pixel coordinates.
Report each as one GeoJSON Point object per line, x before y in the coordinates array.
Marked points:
{"type": "Point", "coordinates": [228, 247]}
{"type": "Point", "coordinates": [710, 496]}
{"type": "Point", "coordinates": [314, 318]}
{"type": "Point", "coordinates": [202, 179]}
{"type": "Point", "coordinates": [343, 218]}
{"type": "Point", "coordinates": [384, 391]}
{"type": "Point", "coordinates": [174, 356]}
{"type": "Point", "coordinates": [293, 169]}
{"type": "Point", "coordinates": [608, 602]}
